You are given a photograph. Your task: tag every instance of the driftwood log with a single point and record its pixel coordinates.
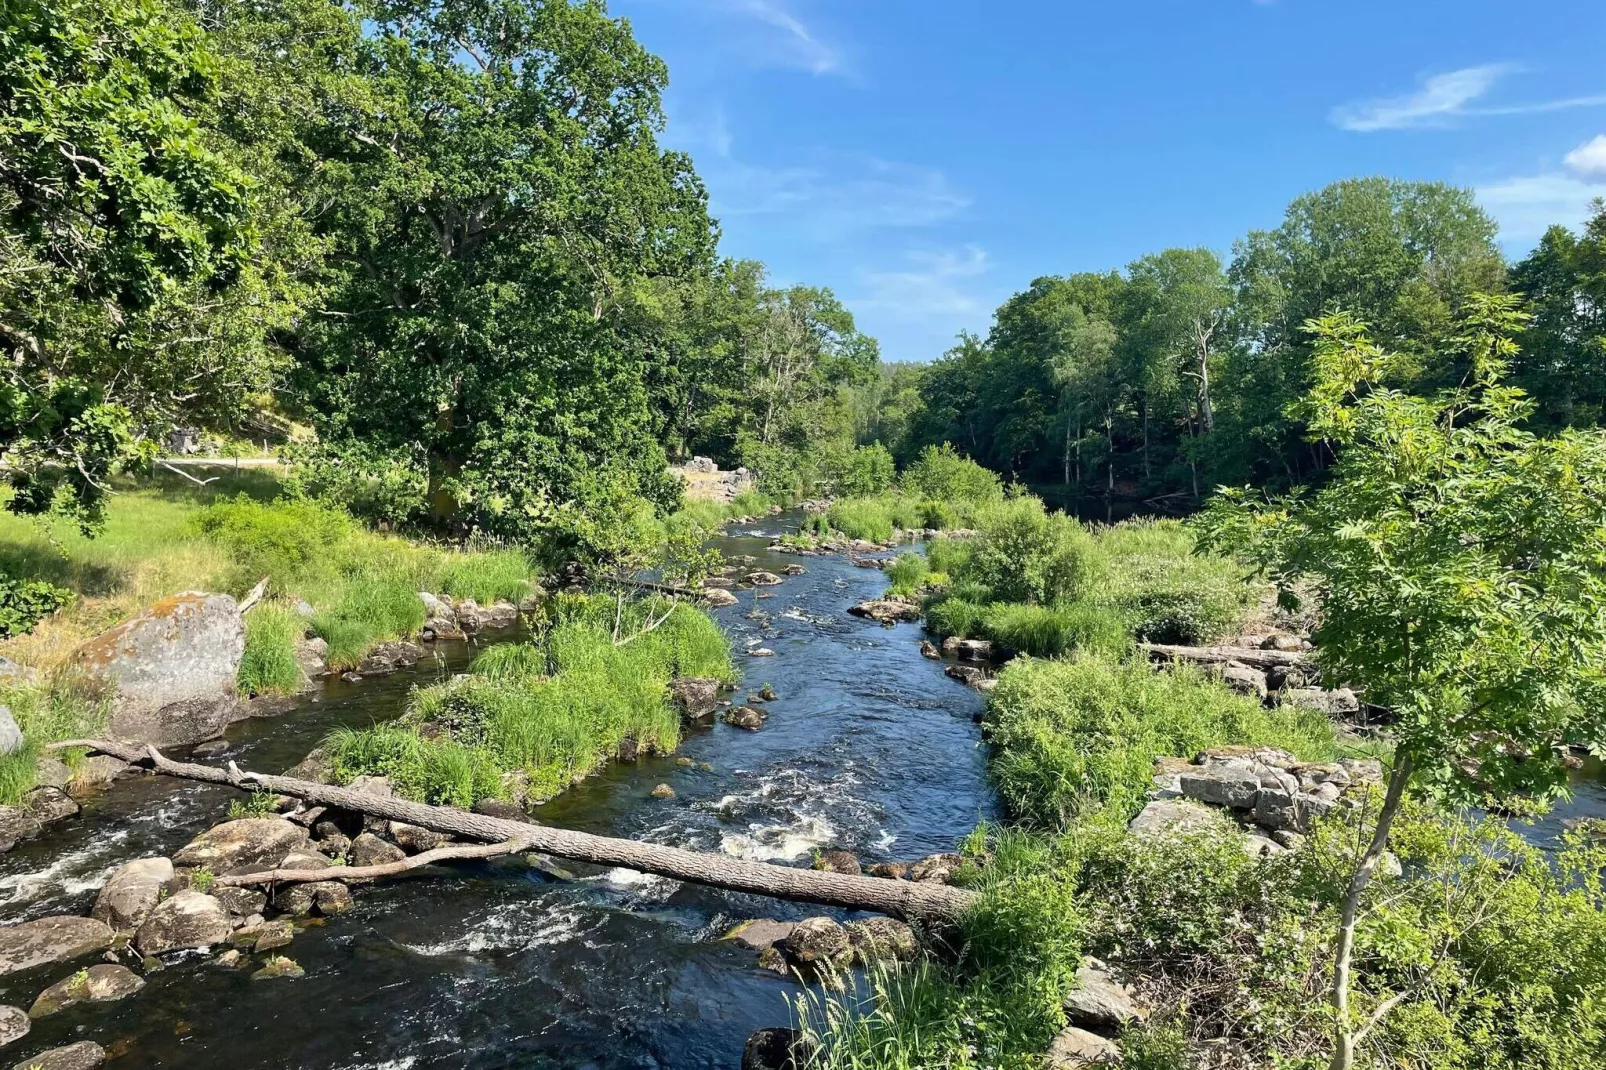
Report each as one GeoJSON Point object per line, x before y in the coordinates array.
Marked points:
{"type": "Point", "coordinates": [1220, 655]}
{"type": "Point", "coordinates": [356, 874]}
{"type": "Point", "coordinates": [908, 900]}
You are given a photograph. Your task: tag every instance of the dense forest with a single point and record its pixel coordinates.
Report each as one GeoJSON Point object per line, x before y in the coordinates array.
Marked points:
{"type": "Point", "coordinates": [1181, 373]}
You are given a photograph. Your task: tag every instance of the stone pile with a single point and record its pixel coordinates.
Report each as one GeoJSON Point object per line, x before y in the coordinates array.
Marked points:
{"type": "Point", "coordinates": [1272, 795]}
{"type": "Point", "coordinates": [448, 618]}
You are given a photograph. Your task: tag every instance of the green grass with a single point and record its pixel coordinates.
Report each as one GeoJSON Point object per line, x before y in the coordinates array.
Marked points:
{"type": "Point", "coordinates": [906, 573]}
{"type": "Point", "coordinates": [366, 614]}
{"type": "Point", "coordinates": [269, 666]}
{"type": "Point", "coordinates": [1048, 631]}
{"type": "Point", "coordinates": [46, 712]}
{"type": "Point", "coordinates": [1079, 736]}
{"type": "Point", "coordinates": [486, 576]}
{"type": "Point", "coordinates": [546, 711]}
{"type": "Point", "coordinates": [955, 616]}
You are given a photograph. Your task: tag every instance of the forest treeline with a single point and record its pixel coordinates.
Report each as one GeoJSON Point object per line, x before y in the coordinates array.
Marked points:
{"type": "Point", "coordinates": [1181, 372]}
{"type": "Point", "coordinates": [444, 235]}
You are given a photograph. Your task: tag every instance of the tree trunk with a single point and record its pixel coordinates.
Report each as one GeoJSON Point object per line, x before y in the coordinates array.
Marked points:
{"type": "Point", "coordinates": [900, 899]}
{"type": "Point", "coordinates": [1220, 655]}
{"type": "Point", "coordinates": [1345, 1036]}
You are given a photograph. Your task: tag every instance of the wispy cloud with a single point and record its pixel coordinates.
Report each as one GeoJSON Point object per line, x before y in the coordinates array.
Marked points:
{"type": "Point", "coordinates": [935, 285]}
{"type": "Point", "coordinates": [1527, 205]}
{"type": "Point", "coordinates": [835, 194]}
{"type": "Point", "coordinates": [1442, 99]}
{"type": "Point", "coordinates": [802, 44]}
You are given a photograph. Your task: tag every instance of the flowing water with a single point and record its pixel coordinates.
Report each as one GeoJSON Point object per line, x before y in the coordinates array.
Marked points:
{"type": "Point", "coordinates": [869, 748]}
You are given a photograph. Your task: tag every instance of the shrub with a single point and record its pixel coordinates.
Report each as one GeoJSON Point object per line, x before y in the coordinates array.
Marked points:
{"type": "Point", "coordinates": [948, 555]}
{"type": "Point", "coordinates": [1170, 592]}
{"type": "Point", "coordinates": [269, 666]}
{"type": "Point", "coordinates": [279, 539]}
{"type": "Point", "coordinates": [24, 602]}
{"type": "Point", "coordinates": [1081, 735]}
{"type": "Point", "coordinates": [861, 471]}
{"type": "Point", "coordinates": [941, 473]}
{"type": "Point", "coordinates": [1024, 554]}
{"type": "Point", "coordinates": [1047, 631]}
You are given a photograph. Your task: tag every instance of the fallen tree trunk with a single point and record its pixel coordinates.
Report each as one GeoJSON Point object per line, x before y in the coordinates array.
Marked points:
{"type": "Point", "coordinates": [901, 899]}
{"type": "Point", "coordinates": [1220, 655]}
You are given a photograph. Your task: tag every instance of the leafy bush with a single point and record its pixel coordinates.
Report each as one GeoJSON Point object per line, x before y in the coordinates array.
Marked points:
{"type": "Point", "coordinates": [1081, 735]}
{"type": "Point", "coordinates": [279, 540]}
{"type": "Point", "coordinates": [1170, 592]}
{"type": "Point", "coordinates": [906, 573]}
{"type": "Point", "coordinates": [860, 471]}
{"type": "Point", "coordinates": [23, 603]}
{"type": "Point", "coordinates": [1022, 553]}
{"type": "Point", "coordinates": [269, 666]}
{"type": "Point", "coordinates": [943, 474]}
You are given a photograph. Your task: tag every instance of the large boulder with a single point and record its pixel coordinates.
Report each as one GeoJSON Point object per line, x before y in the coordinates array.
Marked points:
{"type": "Point", "coordinates": [132, 893]}
{"type": "Point", "coordinates": [777, 1049]}
{"type": "Point", "coordinates": [881, 939]}
{"type": "Point", "coordinates": [252, 843]}
{"type": "Point", "coordinates": [84, 1055]}
{"type": "Point", "coordinates": [16, 825]}
{"type": "Point", "coordinates": [188, 919]}
{"type": "Point", "coordinates": [886, 610]}
{"type": "Point", "coordinates": [1164, 817]}
{"type": "Point", "coordinates": [170, 670]}
{"type": "Point", "coordinates": [101, 983]}
{"type": "Point", "coordinates": [369, 850]}
{"type": "Point", "coordinates": [819, 942]}
{"type": "Point", "coordinates": [49, 940]}
{"type": "Point", "coordinates": [323, 897]}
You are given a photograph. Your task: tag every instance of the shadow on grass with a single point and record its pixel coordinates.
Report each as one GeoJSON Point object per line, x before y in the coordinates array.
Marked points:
{"type": "Point", "coordinates": [262, 484]}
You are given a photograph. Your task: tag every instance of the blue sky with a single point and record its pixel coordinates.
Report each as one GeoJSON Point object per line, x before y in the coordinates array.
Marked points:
{"type": "Point", "coordinates": [927, 159]}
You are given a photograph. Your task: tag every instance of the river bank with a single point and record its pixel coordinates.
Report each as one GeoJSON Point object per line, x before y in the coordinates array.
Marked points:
{"type": "Point", "coordinates": [868, 748]}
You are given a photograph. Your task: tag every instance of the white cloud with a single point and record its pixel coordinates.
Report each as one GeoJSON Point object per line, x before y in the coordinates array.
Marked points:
{"type": "Point", "coordinates": [1444, 98]}
{"type": "Point", "coordinates": [1439, 98]}
{"type": "Point", "coordinates": [1588, 161]}
{"type": "Point", "coordinates": [934, 286]}
{"type": "Point", "coordinates": [1526, 206]}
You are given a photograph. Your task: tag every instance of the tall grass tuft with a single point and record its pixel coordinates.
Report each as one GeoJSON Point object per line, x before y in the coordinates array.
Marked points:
{"type": "Point", "coordinates": [269, 665]}
{"type": "Point", "coordinates": [367, 613]}
{"type": "Point", "coordinates": [486, 576]}
{"type": "Point", "coordinates": [47, 712]}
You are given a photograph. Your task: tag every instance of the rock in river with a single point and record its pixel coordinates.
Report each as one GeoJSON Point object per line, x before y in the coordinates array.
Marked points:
{"type": "Point", "coordinates": [132, 893]}
{"type": "Point", "coordinates": [697, 697]}
{"type": "Point", "coordinates": [188, 919]}
{"type": "Point", "coordinates": [46, 940]}
{"type": "Point", "coordinates": [886, 610]}
{"type": "Point", "coordinates": [98, 984]}
{"type": "Point", "coordinates": [751, 718]}
{"type": "Point", "coordinates": [370, 850]}
{"type": "Point", "coordinates": [170, 668]}
{"type": "Point", "coordinates": [838, 862]}
{"type": "Point", "coordinates": [249, 843]}
{"type": "Point", "coordinates": [819, 942]}
{"type": "Point", "coordinates": [84, 1055]}
{"type": "Point", "coordinates": [14, 1024]}
{"type": "Point", "coordinates": [715, 598]}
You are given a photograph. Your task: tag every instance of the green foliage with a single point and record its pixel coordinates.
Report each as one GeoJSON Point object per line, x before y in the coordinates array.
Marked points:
{"type": "Point", "coordinates": [953, 615]}
{"type": "Point", "coordinates": [281, 540]}
{"type": "Point", "coordinates": [906, 573]}
{"type": "Point", "coordinates": [943, 474]}
{"type": "Point", "coordinates": [257, 804]}
{"type": "Point", "coordinates": [23, 603]}
{"type": "Point", "coordinates": [545, 712]}
{"type": "Point", "coordinates": [486, 576]}
{"type": "Point", "coordinates": [1076, 737]}
{"type": "Point", "coordinates": [1170, 590]}
{"type": "Point", "coordinates": [877, 518]}
{"type": "Point", "coordinates": [1023, 553]}
{"type": "Point", "coordinates": [365, 614]}
{"type": "Point", "coordinates": [1048, 631]}
{"type": "Point", "coordinates": [269, 666]}
{"type": "Point", "coordinates": [1460, 558]}
{"type": "Point", "coordinates": [47, 712]}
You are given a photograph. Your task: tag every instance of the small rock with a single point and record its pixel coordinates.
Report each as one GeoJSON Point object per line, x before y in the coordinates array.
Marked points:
{"type": "Point", "coordinates": [369, 850]}
{"type": "Point", "coordinates": [777, 1049]}
{"type": "Point", "coordinates": [881, 939]}
{"type": "Point", "coordinates": [975, 649]}
{"type": "Point", "coordinates": [210, 748]}
{"type": "Point", "coordinates": [763, 579]}
{"type": "Point", "coordinates": [889, 870]}
{"type": "Point", "coordinates": [240, 901]}
{"type": "Point", "coordinates": [184, 920]}
{"type": "Point", "coordinates": [1221, 785]}
{"type": "Point", "coordinates": [886, 610]}
{"type": "Point", "coordinates": [98, 984]}
{"type": "Point", "coordinates": [415, 840]}
{"type": "Point", "coordinates": [1074, 1048]}
{"type": "Point", "coordinates": [1256, 846]}
{"type": "Point", "coordinates": [232, 957]}
{"type": "Point", "coordinates": [49, 805]}
{"type": "Point", "coordinates": [323, 897]}
{"type": "Point", "coordinates": [51, 771]}
{"type": "Point", "coordinates": [14, 1024]}
{"type": "Point", "coordinates": [245, 845]}
{"type": "Point", "coordinates": [751, 718]}
{"type": "Point", "coordinates": [767, 694]}
{"type": "Point", "coordinates": [663, 791]}
{"type": "Point", "coordinates": [1248, 682]}
{"type": "Point", "coordinates": [278, 966]}
{"type": "Point", "coordinates": [838, 862]}
{"type": "Point", "coordinates": [819, 942]}
{"type": "Point", "coordinates": [937, 868]}
{"type": "Point", "coordinates": [760, 933]}
{"type": "Point", "coordinates": [501, 809]}
{"type": "Point", "coordinates": [697, 697]}
{"type": "Point", "coordinates": [83, 1055]}
{"type": "Point", "coordinates": [16, 826]}
{"type": "Point", "coordinates": [1333, 703]}
{"type": "Point", "coordinates": [794, 569]}
{"type": "Point", "coordinates": [928, 649]}
{"type": "Point", "coordinates": [11, 740]}
{"type": "Point", "coordinates": [716, 598]}
{"type": "Point", "coordinates": [265, 935]}
{"type": "Point", "coordinates": [761, 652]}
{"type": "Point", "coordinates": [50, 940]}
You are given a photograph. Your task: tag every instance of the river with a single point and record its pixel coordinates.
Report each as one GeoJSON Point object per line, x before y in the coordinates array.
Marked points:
{"type": "Point", "coordinates": [869, 747]}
